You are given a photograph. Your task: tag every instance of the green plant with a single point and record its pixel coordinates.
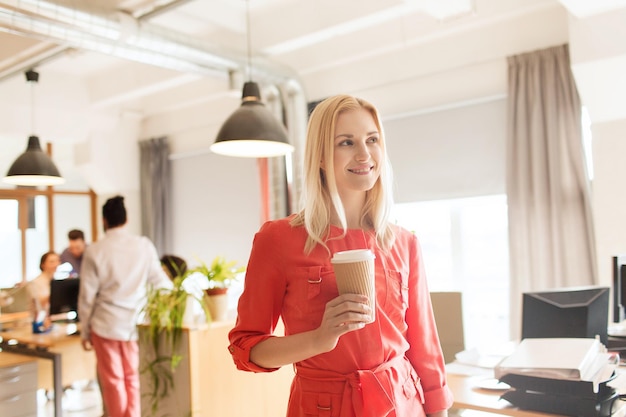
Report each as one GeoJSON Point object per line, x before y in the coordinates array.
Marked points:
{"type": "Point", "coordinates": [164, 311]}
{"type": "Point", "coordinates": [221, 273]}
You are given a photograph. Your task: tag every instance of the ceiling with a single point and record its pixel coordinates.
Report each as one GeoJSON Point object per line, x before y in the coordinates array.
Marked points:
{"type": "Point", "coordinates": [147, 57]}
{"type": "Point", "coordinates": [289, 39]}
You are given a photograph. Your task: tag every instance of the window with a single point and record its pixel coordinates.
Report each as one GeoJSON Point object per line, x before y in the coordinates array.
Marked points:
{"type": "Point", "coordinates": [465, 248]}
{"type": "Point", "coordinates": [587, 142]}
{"type": "Point", "coordinates": [10, 243]}
{"type": "Point", "coordinates": [34, 221]}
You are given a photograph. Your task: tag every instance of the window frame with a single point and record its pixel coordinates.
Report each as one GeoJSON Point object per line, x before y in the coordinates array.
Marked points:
{"type": "Point", "coordinates": [22, 194]}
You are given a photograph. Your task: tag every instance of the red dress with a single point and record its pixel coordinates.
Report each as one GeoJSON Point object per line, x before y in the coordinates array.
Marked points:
{"type": "Point", "coordinates": [391, 367]}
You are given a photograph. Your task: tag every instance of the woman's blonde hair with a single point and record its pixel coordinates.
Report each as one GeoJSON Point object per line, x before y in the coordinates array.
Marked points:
{"type": "Point", "coordinates": [320, 195]}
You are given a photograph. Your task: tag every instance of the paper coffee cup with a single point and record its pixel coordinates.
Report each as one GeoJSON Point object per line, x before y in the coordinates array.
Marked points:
{"type": "Point", "coordinates": [354, 273]}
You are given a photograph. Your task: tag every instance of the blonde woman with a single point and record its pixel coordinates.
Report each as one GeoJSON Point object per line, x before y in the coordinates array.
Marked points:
{"type": "Point", "coordinates": [345, 365]}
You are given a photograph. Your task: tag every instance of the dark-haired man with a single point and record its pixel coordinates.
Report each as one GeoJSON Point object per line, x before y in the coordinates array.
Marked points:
{"type": "Point", "coordinates": [73, 254]}
{"type": "Point", "coordinates": [115, 274]}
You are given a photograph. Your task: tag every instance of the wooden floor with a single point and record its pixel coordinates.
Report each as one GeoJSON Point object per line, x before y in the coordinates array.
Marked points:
{"type": "Point", "coordinates": [87, 403]}
{"type": "Point", "coordinates": [84, 402]}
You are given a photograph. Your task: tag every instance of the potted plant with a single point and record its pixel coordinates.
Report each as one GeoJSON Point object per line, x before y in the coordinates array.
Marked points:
{"type": "Point", "coordinates": [161, 333]}
{"type": "Point", "coordinates": [220, 275]}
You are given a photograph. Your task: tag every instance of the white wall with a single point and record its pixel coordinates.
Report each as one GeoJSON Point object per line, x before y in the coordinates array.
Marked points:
{"type": "Point", "coordinates": [444, 82]}
{"type": "Point", "coordinates": [216, 205]}
{"type": "Point", "coordinates": [454, 70]}
{"type": "Point", "coordinates": [216, 199]}
{"type": "Point", "coordinates": [453, 75]}
{"type": "Point", "coordinates": [449, 153]}
{"type": "Point", "coordinates": [598, 54]}
{"type": "Point", "coordinates": [609, 193]}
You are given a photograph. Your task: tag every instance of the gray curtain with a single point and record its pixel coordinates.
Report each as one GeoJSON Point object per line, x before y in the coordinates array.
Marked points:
{"type": "Point", "coordinates": [551, 234]}
{"type": "Point", "coordinates": [155, 176]}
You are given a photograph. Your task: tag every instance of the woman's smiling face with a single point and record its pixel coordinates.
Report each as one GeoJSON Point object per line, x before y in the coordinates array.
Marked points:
{"type": "Point", "coordinates": [357, 151]}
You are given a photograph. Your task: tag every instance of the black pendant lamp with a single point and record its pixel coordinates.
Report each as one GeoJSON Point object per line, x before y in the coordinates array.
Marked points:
{"type": "Point", "coordinates": [252, 130]}
{"type": "Point", "coordinates": [34, 167]}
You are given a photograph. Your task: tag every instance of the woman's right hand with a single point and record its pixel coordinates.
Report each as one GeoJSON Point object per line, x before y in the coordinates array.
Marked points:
{"type": "Point", "coordinates": [342, 315]}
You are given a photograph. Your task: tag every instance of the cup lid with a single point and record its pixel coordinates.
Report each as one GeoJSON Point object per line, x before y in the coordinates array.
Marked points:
{"type": "Point", "coordinates": [354, 255]}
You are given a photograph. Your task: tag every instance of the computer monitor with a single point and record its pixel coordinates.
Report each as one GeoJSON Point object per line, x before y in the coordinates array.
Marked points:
{"type": "Point", "coordinates": [567, 312]}
{"type": "Point", "coordinates": [64, 296]}
{"type": "Point", "coordinates": [619, 288]}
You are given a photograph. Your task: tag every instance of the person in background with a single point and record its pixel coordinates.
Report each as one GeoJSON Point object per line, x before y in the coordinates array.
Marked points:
{"type": "Point", "coordinates": [73, 254]}
{"type": "Point", "coordinates": [39, 290]}
{"type": "Point", "coordinates": [174, 266]}
{"type": "Point", "coordinates": [345, 365]}
{"type": "Point", "coordinates": [115, 274]}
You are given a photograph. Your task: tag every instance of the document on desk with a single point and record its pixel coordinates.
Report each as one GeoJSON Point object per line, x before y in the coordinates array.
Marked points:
{"type": "Point", "coordinates": [479, 361]}
{"type": "Point", "coordinates": [578, 359]}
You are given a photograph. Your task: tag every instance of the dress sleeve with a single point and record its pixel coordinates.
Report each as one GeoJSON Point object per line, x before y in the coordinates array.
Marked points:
{"type": "Point", "coordinates": [425, 353]}
{"type": "Point", "coordinates": [261, 302]}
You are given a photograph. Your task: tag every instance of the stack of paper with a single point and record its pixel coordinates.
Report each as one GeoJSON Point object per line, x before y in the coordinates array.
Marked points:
{"type": "Point", "coordinates": [558, 358]}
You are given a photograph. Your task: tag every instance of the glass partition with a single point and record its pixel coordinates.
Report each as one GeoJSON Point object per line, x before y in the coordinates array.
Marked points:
{"type": "Point", "coordinates": [37, 235]}
{"type": "Point", "coordinates": [71, 212]}
{"type": "Point", "coordinates": [34, 221]}
{"type": "Point", "coordinates": [10, 243]}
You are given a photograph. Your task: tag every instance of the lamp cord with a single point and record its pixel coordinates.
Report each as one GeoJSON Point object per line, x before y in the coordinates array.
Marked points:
{"type": "Point", "coordinates": [248, 40]}
{"type": "Point", "coordinates": [32, 107]}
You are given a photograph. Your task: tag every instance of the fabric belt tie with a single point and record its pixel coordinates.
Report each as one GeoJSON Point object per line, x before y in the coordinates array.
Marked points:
{"type": "Point", "coordinates": [361, 386]}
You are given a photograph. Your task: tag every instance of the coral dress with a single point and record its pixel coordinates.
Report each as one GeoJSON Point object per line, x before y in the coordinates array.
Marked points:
{"type": "Point", "coordinates": [391, 367]}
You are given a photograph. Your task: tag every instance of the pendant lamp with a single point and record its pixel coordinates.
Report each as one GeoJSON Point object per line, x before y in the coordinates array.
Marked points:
{"type": "Point", "coordinates": [34, 167]}
{"type": "Point", "coordinates": [252, 130]}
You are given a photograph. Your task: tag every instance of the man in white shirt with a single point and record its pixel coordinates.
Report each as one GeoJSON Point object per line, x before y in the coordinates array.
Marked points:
{"type": "Point", "coordinates": [115, 274]}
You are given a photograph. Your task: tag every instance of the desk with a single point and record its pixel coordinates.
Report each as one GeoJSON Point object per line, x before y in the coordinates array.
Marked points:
{"type": "Point", "coordinates": [13, 317]}
{"type": "Point", "coordinates": [207, 383]}
{"type": "Point", "coordinates": [52, 346]}
{"type": "Point", "coordinates": [468, 396]}
{"type": "Point", "coordinates": [18, 385]}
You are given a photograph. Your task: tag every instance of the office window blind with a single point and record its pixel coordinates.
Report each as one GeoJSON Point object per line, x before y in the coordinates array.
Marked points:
{"type": "Point", "coordinates": [452, 153]}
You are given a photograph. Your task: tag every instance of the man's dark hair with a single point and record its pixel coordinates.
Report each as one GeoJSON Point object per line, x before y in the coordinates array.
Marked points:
{"type": "Point", "coordinates": [75, 234]}
{"type": "Point", "coordinates": [114, 211]}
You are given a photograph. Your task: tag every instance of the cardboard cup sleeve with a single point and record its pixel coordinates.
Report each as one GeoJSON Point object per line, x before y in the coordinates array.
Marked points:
{"type": "Point", "coordinates": [357, 278]}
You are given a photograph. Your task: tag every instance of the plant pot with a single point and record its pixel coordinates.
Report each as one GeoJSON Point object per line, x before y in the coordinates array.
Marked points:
{"type": "Point", "coordinates": [217, 302]}
{"type": "Point", "coordinates": [193, 312]}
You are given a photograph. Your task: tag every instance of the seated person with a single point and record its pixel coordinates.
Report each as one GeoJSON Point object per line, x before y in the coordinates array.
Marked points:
{"type": "Point", "coordinates": [39, 289]}
{"type": "Point", "coordinates": [173, 266]}
{"type": "Point", "coordinates": [73, 254]}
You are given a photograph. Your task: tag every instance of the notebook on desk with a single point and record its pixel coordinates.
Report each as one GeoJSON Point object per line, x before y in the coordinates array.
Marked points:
{"type": "Point", "coordinates": [558, 358]}
{"type": "Point", "coordinates": [617, 329]}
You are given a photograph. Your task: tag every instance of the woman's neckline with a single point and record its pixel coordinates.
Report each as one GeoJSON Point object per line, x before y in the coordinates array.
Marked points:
{"type": "Point", "coordinates": [353, 230]}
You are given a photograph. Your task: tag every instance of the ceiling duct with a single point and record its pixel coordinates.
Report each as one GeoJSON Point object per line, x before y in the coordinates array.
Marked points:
{"type": "Point", "coordinates": [123, 36]}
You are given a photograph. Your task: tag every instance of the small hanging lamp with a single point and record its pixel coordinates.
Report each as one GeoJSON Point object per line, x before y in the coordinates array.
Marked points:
{"type": "Point", "coordinates": [252, 130]}
{"type": "Point", "coordinates": [34, 167]}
